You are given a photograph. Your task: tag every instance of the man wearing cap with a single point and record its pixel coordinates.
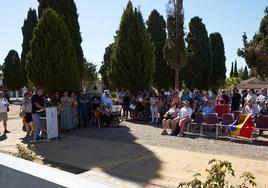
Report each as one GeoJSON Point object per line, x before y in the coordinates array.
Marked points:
{"type": "Point", "coordinates": [3, 111]}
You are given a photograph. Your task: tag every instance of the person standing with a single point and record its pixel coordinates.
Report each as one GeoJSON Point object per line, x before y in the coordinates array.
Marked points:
{"type": "Point", "coordinates": [3, 111]}
{"type": "Point", "coordinates": [66, 113]}
{"type": "Point", "coordinates": [261, 100]}
{"type": "Point", "coordinates": [244, 96]}
{"type": "Point", "coordinates": [74, 110]}
{"type": "Point", "coordinates": [38, 104]}
{"type": "Point", "coordinates": [236, 99]}
{"type": "Point", "coordinates": [82, 108]}
{"type": "Point", "coordinates": [27, 109]}
{"type": "Point", "coordinates": [154, 107]}
{"type": "Point", "coordinates": [126, 104]}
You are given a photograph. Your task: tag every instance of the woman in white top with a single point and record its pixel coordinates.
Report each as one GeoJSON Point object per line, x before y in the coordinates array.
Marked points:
{"type": "Point", "coordinates": [154, 108]}
{"type": "Point", "coordinates": [169, 116]}
{"type": "Point", "coordinates": [251, 96]}
{"type": "Point", "coordinates": [183, 118]}
{"type": "Point", "coordinates": [3, 111]}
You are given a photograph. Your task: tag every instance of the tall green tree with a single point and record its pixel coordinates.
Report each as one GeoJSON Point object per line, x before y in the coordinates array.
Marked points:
{"type": "Point", "coordinates": [245, 75]}
{"type": "Point", "coordinates": [105, 67]}
{"type": "Point", "coordinates": [68, 10]}
{"type": "Point", "coordinates": [27, 32]}
{"type": "Point", "coordinates": [255, 51]}
{"type": "Point", "coordinates": [89, 74]}
{"type": "Point", "coordinates": [235, 70]}
{"type": "Point", "coordinates": [232, 70]}
{"type": "Point", "coordinates": [198, 70]}
{"type": "Point", "coordinates": [132, 60]}
{"type": "Point", "coordinates": [52, 62]}
{"type": "Point", "coordinates": [43, 4]}
{"type": "Point", "coordinates": [156, 27]}
{"type": "Point", "coordinates": [174, 49]}
{"type": "Point", "coordinates": [12, 71]}
{"type": "Point", "coordinates": [217, 60]}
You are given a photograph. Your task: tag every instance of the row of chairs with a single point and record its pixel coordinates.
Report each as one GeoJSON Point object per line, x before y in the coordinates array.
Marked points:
{"type": "Point", "coordinates": [212, 121]}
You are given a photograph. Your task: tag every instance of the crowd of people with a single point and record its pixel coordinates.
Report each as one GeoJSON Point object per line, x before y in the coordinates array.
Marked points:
{"type": "Point", "coordinates": [167, 107]}
{"type": "Point", "coordinates": [74, 110]}
{"type": "Point", "coordinates": [176, 111]}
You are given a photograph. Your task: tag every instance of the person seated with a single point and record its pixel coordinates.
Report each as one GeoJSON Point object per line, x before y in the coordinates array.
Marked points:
{"type": "Point", "coordinates": [106, 107]}
{"type": "Point", "coordinates": [264, 111]}
{"type": "Point", "coordinates": [169, 116]}
{"type": "Point", "coordinates": [183, 118]}
{"type": "Point", "coordinates": [207, 108]}
{"type": "Point", "coordinates": [195, 109]}
{"type": "Point", "coordinates": [251, 109]}
{"type": "Point", "coordinates": [221, 108]}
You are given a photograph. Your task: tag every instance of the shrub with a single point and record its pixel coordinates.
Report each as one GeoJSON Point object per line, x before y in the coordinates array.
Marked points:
{"type": "Point", "coordinates": [216, 177]}
{"type": "Point", "coordinates": [26, 153]}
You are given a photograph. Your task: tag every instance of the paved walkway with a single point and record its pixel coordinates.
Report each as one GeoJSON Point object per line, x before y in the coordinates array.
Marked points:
{"type": "Point", "coordinates": [122, 157]}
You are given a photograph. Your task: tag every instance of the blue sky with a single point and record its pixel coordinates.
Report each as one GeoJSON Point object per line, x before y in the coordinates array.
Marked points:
{"type": "Point", "coordinates": [99, 19]}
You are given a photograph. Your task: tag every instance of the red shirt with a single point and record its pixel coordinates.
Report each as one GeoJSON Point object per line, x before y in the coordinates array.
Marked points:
{"type": "Point", "coordinates": [222, 109]}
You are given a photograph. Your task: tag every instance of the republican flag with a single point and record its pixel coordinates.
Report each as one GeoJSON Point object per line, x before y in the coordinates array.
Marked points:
{"type": "Point", "coordinates": [243, 126]}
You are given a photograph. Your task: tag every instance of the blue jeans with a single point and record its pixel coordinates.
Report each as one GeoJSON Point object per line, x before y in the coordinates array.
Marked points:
{"type": "Point", "coordinates": [37, 125]}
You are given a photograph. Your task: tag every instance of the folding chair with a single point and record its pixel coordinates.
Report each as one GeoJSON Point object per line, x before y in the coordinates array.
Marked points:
{"type": "Point", "coordinates": [236, 114]}
{"type": "Point", "coordinates": [211, 120]}
{"type": "Point", "coordinates": [227, 119]}
{"type": "Point", "coordinates": [261, 124]}
{"type": "Point", "coordinates": [198, 120]}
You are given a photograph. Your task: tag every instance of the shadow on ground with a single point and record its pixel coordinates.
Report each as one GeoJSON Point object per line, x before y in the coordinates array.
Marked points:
{"type": "Point", "coordinates": [112, 150]}
{"type": "Point", "coordinates": [3, 137]}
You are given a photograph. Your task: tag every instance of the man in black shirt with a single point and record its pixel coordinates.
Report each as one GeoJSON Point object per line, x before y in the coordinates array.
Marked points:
{"type": "Point", "coordinates": [37, 107]}
{"type": "Point", "coordinates": [236, 99]}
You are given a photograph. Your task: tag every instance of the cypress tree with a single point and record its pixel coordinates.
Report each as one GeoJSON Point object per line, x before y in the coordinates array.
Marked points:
{"type": "Point", "coordinates": [52, 61]}
{"type": "Point", "coordinates": [12, 71]}
{"type": "Point", "coordinates": [174, 48]}
{"type": "Point", "coordinates": [199, 64]}
{"type": "Point", "coordinates": [235, 70]}
{"type": "Point", "coordinates": [68, 10]}
{"type": "Point", "coordinates": [27, 32]}
{"type": "Point", "coordinates": [105, 67]}
{"type": "Point", "coordinates": [132, 61]}
{"type": "Point", "coordinates": [232, 70]}
{"type": "Point", "coordinates": [43, 4]}
{"type": "Point", "coordinates": [156, 27]}
{"type": "Point", "coordinates": [245, 75]}
{"type": "Point", "coordinates": [217, 58]}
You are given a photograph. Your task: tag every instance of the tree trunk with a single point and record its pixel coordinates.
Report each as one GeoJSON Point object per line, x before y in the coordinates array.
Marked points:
{"type": "Point", "coordinates": [177, 84]}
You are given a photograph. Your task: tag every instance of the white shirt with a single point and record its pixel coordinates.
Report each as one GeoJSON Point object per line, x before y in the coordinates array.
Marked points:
{"type": "Point", "coordinates": [185, 112]}
{"type": "Point", "coordinates": [251, 97]}
{"type": "Point", "coordinates": [26, 105]}
{"type": "Point", "coordinates": [173, 112]}
{"type": "Point", "coordinates": [251, 111]}
{"type": "Point", "coordinates": [3, 105]}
